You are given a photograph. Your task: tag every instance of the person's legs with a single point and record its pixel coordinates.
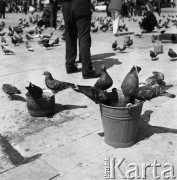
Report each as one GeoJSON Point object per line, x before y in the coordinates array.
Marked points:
{"type": "Point", "coordinates": [51, 15]}
{"type": "Point", "coordinates": [3, 14]}
{"type": "Point", "coordinates": [71, 37]}
{"type": "Point", "coordinates": [116, 17]}
{"type": "Point", "coordinates": [83, 26]}
{"type": "Point", "coordinates": [55, 19]}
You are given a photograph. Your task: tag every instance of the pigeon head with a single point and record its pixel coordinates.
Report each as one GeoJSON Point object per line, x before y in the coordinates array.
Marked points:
{"type": "Point", "coordinates": [103, 68]}
{"type": "Point", "coordinates": [138, 69]}
{"type": "Point", "coordinates": [135, 68]}
{"type": "Point", "coordinates": [47, 74]}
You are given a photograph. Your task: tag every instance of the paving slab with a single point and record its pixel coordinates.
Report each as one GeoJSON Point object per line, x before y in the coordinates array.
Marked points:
{"type": "Point", "coordinates": [70, 141]}
{"type": "Point", "coordinates": [37, 170]}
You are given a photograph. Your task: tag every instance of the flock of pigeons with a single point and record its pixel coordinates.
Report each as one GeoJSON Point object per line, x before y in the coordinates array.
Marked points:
{"type": "Point", "coordinates": [154, 86]}
{"type": "Point", "coordinates": [132, 90]}
{"type": "Point", "coordinates": [15, 34]}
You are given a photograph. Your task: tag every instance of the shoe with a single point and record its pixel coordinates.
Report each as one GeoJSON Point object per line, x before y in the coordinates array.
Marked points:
{"type": "Point", "coordinates": [91, 74]}
{"type": "Point", "coordinates": [74, 69]}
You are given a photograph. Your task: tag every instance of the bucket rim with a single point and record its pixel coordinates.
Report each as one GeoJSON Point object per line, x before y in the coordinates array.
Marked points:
{"type": "Point", "coordinates": [44, 91]}
{"type": "Point", "coordinates": [112, 107]}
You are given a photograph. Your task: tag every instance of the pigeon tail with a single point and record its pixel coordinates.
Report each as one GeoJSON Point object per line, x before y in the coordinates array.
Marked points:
{"type": "Point", "coordinates": [89, 91]}
{"type": "Point", "coordinates": [168, 95]}
{"type": "Point", "coordinates": [164, 88]}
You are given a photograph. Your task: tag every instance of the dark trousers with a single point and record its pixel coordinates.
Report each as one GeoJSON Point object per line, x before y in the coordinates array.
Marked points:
{"type": "Point", "coordinates": [53, 16]}
{"type": "Point", "coordinates": [2, 13]}
{"type": "Point", "coordinates": [77, 19]}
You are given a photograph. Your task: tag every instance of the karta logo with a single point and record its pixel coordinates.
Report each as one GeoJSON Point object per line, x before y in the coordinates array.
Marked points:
{"type": "Point", "coordinates": [113, 170]}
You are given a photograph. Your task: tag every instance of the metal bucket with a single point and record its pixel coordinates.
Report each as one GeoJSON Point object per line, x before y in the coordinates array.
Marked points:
{"type": "Point", "coordinates": [158, 48]}
{"type": "Point", "coordinates": [121, 124]}
{"type": "Point", "coordinates": [41, 107]}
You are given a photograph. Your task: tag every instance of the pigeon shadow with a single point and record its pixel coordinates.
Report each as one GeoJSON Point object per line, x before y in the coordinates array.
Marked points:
{"type": "Point", "coordinates": [60, 107]}
{"type": "Point", "coordinates": [122, 52]}
{"type": "Point", "coordinates": [155, 59]}
{"type": "Point", "coordinates": [101, 56]}
{"type": "Point", "coordinates": [18, 98]}
{"type": "Point", "coordinates": [173, 59]}
{"type": "Point", "coordinates": [108, 62]}
{"type": "Point", "coordinates": [146, 130]}
{"type": "Point", "coordinates": [126, 33]}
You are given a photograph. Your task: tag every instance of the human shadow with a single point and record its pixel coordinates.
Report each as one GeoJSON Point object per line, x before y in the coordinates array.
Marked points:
{"type": "Point", "coordinates": [108, 62]}
{"type": "Point", "coordinates": [102, 56]}
{"type": "Point", "coordinates": [18, 98]}
{"type": "Point", "coordinates": [146, 130]}
{"type": "Point", "coordinates": [60, 107]}
{"type": "Point", "coordinates": [13, 155]}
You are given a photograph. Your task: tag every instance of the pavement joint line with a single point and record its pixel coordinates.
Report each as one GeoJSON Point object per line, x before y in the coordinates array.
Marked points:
{"type": "Point", "coordinates": [54, 177]}
{"type": "Point", "coordinates": [8, 169]}
{"type": "Point", "coordinates": [85, 135]}
{"type": "Point", "coordinates": [71, 141]}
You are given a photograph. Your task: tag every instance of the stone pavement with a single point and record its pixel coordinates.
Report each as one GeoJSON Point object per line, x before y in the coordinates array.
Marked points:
{"type": "Point", "coordinates": [70, 145]}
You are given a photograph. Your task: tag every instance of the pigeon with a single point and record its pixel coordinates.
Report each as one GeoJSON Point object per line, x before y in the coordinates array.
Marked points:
{"type": "Point", "coordinates": [34, 91]}
{"type": "Point", "coordinates": [130, 83]}
{"type": "Point", "coordinates": [18, 38]}
{"type": "Point", "coordinates": [105, 81]}
{"type": "Point", "coordinates": [56, 85]}
{"type": "Point", "coordinates": [129, 43]}
{"type": "Point", "coordinates": [126, 28]}
{"type": "Point", "coordinates": [173, 38]}
{"type": "Point", "coordinates": [18, 29]}
{"type": "Point", "coordinates": [150, 92]}
{"type": "Point", "coordinates": [121, 47]}
{"type": "Point", "coordinates": [2, 34]}
{"type": "Point", "coordinates": [10, 33]}
{"type": "Point", "coordinates": [6, 51]}
{"type": "Point", "coordinates": [162, 32]}
{"type": "Point", "coordinates": [28, 46]}
{"type": "Point", "coordinates": [157, 78]}
{"type": "Point", "coordinates": [31, 32]}
{"type": "Point", "coordinates": [43, 40]}
{"type": "Point", "coordinates": [4, 42]}
{"type": "Point", "coordinates": [56, 41]}
{"type": "Point", "coordinates": [114, 45]}
{"type": "Point", "coordinates": [63, 38]}
{"type": "Point", "coordinates": [28, 37]}
{"type": "Point", "coordinates": [95, 30]}
{"type": "Point", "coordinates": [47, 45]}
{"type": "Point", "coordinates": [172, 54]}
{"type": "Point", "coordinates": [153, 38]}
{"type": "Point", "coordinates": [97, 95]}
{"type": "Point", "coordinates": [175, 24]}
{"type": "Point", "coordinates": [117, 98]}
{"type": "Point", "coordinates": [139, 34]}
{"type": "Point", "coordinates": [10, 90]}
{"type": "Point", "coordinates": [135, 20]}
{"type": "Point", "coordinates": [14, 41]}
{"type": "Point", "coordinates": [10, 29]}
{"type": "Point", "coordinates": [153, 55]}
{"type": "Point", "coordinates": [46, 36]}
